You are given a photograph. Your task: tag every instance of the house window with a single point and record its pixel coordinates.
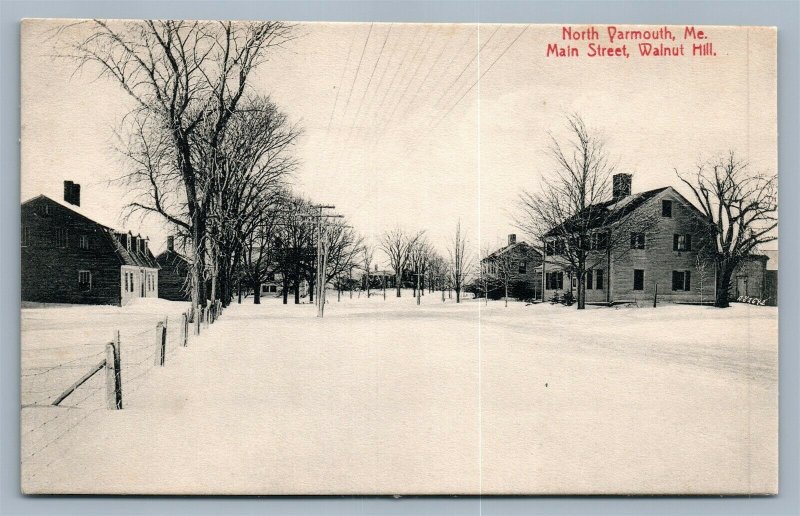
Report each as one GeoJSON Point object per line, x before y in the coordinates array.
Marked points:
{"type": "Point", "coordinates": [554, 280]}
{"type": "Point", "coordinates": [44, 210]}
{"type": "Point", "coordinates": [127, 288]}
{"type": "Point", "coordinates": [638, 279]}
{"type": "Point", "coordinates": [84, 281]}
{"type": "Point", "coordinates": [83, 241]}
{"type": "Point", "coordinates": [128, 242]}
{"type": "Point", "coordinates": [682, 242]}
{"type": "Point", "coordinates": [523, 267]}
{"type": "Point", "coordinates": [574, 282]}
{"type": "Point", "coordinates": [589, 279]}
{"type": "Point", "coordinates": [637, 240]}
{"type": "Point", "coordinates": [681, 280]}
{"type": "Point", "coordinates": [61, 237]}
{"type": "Point", "coordinates": [599, 275]}
{"type": "Point", "coordinates": [26, 236]}
{"type": "Point", "coordinates": [666, 208]}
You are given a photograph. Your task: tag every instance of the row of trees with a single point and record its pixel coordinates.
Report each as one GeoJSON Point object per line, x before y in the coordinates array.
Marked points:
{"type": "Point", "coordinates": [213, 159]}
{"type": "Point", "coordinates": [210, 156]}
{"type": "Point", "coordinates": [411, 253]}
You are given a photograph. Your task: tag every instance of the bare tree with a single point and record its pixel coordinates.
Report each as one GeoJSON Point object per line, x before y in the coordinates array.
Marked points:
{"type": "Point", "coordinates": [418, 257]}
{"type": "Point", "coordinates": [367, 256]}
{"type": "Point", "coordinates": [739, 208]}
{"type": "Point", "coordinates": [499, 273]}
{"type": "Point", "coordinates": [397, 244]}
{"type": "Point", "coordinates": [184, 77]}
{"type": "Point", "coordinates": [460, 261]}
{"type": "Point", "coordinates": [574, 212]}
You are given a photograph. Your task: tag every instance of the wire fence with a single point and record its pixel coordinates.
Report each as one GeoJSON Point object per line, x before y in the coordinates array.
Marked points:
{"type": "Point", "coordinates": [62, 386]}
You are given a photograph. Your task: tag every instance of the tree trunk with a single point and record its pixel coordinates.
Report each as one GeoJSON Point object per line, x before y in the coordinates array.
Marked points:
{"type": "Point", "coordinates": [297, 291]}
{"type": "Point", "coordinates": [311, 285]}
{"type": "Point", "coordinates": [285, 289]}
{"type": "Point", "coordinates": [256, 292]}
{"type": "Point", "coordinates": [239, 288]}
{"type": "Point", "coordinates": [399, 281]}
{"type": "Point", "coordinates": [725, 272]}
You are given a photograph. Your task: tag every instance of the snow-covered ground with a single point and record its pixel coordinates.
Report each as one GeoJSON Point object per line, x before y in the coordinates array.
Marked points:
{"type": "Point", "coordinates": [390, 397]}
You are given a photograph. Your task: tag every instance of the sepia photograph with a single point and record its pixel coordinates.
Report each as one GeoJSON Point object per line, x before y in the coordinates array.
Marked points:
{"type": "Point", "coordinates": [305, 258]}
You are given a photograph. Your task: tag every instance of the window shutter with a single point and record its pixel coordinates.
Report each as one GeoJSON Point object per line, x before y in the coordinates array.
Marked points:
{"type": "Point", "coordinates": [589, 279]}
{"type": "Point", "coordinates": [688, 285]}
{"type": "Point", "coordinates": [677, 279]}
{"type": "Point", "coordinates": [674, 242]}
{"type": "Point", "coordinates": [688, 242]}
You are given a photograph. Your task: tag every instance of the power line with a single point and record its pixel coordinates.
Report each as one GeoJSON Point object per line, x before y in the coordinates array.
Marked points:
{"type": "Point", "coordinates": [467, 66]}
{"type": "Point", "coordinates": [481, 76]}
{"type": "Point", "coordinates": [366, 89]}
{"type": "Point", "coordinates": [341, 79]}
{"type": "Point", "coordinates": [358, 69]}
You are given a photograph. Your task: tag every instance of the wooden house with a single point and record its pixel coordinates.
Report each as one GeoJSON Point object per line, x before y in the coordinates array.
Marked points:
{"type": "Point", "coordinates": [518, 263]}
{"type": "Point", "coordinates": [67, 257]}
{"type": "Point", "coordinates": [174, 282]}
{"type": "Point", "coordinates": [670, 254]}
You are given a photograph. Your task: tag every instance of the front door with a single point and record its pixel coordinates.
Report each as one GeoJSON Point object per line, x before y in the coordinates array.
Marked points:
{"type": "Point", "coordinates": [741, 286]}
{"type": "Point", "coordinates": [144, 284]}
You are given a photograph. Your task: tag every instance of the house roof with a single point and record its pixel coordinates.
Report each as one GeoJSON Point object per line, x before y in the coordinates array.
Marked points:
{"type": "Point", "coordinates": [605, 213]}
{"type": "Point", "coordinates": [133, 257]}
{"type": "Point", "coordinates": [523, 245]}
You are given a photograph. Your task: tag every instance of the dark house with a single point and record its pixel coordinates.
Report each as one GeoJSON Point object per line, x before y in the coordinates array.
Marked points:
{"type": "Point", "coordinates": [519, 263]}
{"type": "Point", "coordinates": [69, 258]}
{"type": "Point", "coordinates": [173, 282]}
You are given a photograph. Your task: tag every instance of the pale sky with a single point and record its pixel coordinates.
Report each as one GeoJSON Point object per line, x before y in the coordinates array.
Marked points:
{"type": "Point", "coordinates": [405, 124]}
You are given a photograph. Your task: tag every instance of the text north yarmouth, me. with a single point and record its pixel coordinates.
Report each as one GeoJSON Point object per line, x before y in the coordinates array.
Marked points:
{"type": "Point", "coordinates": [614, 41]}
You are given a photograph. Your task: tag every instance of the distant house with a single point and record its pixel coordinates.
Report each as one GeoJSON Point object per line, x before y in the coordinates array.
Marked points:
{"type": "Point", "coordinates": [756, 278]}
{"type": "Point", "coordinates": [69, 258]}
{"type": "Point", "coordinates": [173, 281]}
{"type": "Point", "coordinates": [378, 279]}
{"type": "Point", "coordinates": [521, 263]}
{"type": "Point", "coordinates": [670, 254]}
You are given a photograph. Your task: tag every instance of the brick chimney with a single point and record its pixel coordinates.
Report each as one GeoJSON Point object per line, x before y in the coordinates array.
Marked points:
{"type": "Point", "coordinates": [621, 185]}
{"type": "Point", "coordinates": [512, 239]}
{"type": "Point", "coordinates": [170, 243]}
{"type": "Point", "coordinates": [72, 193]}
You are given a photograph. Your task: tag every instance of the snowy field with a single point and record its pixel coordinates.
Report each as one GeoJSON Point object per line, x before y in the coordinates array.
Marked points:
{"type": "Point", "coordinates": [389, 397]}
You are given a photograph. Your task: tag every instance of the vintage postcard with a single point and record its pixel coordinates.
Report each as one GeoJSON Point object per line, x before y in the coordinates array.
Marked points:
{"type": "Point", "coordinates": [394, 258]}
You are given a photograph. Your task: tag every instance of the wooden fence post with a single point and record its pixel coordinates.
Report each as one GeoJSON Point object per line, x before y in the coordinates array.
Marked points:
{"type": "Point", "coordinates": [161, 344]}
{"type": "Point", "coordinates": [655, 294]}
{"type": "Point", "coordinates": [196, 320]}
{"type": "Point", "coordinates": [184, 329]}
{"type": "Point", "coordinates": [113, 375]}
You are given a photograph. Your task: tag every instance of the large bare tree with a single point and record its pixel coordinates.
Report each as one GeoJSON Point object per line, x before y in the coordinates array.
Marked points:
{"type": "Point", "coordinates": [184, 77]}
{"type": "Point", "coordinates": [739, 206]}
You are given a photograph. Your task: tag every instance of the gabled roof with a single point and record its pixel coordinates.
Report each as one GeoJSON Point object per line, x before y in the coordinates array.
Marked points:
{"type": "Point", "coordinates": [79, 211]}
{"type": "Point", "coordinates": [607, 213]}
{"type": "Point", "coordinates": [517, 245]}
{"type": "Point", "coordinates": [133, 257]}
{"type": "Point", "coordinates": [170, 258]}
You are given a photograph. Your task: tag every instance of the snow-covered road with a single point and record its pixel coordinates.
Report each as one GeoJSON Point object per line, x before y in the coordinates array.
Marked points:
{"type": "Point", "coordinates": [388, 397]}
